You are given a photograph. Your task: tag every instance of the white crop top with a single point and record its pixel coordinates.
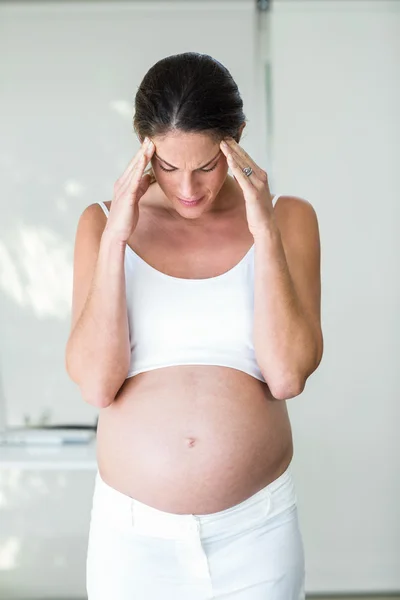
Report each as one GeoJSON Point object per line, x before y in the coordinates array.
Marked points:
{"type": "Point", "coordinates": [176, 321]}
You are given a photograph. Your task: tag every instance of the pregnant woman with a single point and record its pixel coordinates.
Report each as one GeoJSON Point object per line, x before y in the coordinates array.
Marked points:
{"type": "Point", "coordinates": [196, 315]}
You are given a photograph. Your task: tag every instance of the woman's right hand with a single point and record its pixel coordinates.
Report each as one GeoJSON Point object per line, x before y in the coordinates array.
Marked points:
{"type": "Point", "coordinates": [128, 190]}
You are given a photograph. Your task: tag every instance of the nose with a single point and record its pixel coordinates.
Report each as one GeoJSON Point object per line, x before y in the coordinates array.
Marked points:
{"type": "Point", "coordinates": [188, 189]}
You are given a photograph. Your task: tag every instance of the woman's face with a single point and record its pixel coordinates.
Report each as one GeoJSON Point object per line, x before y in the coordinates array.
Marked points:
{"type": "Point", "coordinates": [190, 169]}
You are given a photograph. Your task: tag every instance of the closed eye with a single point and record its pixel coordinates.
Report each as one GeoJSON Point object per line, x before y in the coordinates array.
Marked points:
{"type": "Point", "coordinates": [204, 170]}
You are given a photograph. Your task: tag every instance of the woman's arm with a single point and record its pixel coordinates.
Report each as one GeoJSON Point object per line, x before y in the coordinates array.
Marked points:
{"type": "Point", "coordinates": [98, 349]}
{"type": "Point", "coordinates": [287, 318]}
{"type": "Point", "coordinates": [287, 328]}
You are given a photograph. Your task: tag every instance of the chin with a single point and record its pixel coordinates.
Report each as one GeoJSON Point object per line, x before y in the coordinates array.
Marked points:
{"type": "Point", "coordinates": [192, 211]}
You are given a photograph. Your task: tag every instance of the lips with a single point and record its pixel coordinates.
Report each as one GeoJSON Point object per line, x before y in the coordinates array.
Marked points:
{"type": "Point", "coordinates": [190, 202]}
{"type": "Point", "coordinates": [191, 199]}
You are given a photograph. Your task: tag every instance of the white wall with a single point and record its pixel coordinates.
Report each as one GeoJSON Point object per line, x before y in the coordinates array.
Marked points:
{"type": "Point", "coordinates": [336, 141]}
{"type": "Point", "coordinates": [68, 76]}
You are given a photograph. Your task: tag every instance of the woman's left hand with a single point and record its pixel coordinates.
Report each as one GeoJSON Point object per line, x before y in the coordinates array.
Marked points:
{"type": "Point", "coordinates": [256, 192]}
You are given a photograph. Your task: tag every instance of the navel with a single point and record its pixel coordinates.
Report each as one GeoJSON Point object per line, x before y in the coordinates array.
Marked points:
{"type": "Point", "coordinates": [190, 442]}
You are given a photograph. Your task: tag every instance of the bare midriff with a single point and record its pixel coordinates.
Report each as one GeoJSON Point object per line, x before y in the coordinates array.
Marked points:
{"type": "Point", "coordinates": [193, 439]}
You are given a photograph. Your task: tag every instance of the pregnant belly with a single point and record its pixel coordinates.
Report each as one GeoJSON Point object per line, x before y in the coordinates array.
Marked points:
{"type": "Point", "coordinates": [193, 439]}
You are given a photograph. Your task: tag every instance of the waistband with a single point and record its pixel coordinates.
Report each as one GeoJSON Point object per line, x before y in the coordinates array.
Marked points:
{"type": "Point", "coordinates": [268, 503]}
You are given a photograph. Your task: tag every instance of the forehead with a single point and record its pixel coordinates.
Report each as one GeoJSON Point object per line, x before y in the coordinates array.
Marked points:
{"type": "Point", "coordinates": [186, 149]}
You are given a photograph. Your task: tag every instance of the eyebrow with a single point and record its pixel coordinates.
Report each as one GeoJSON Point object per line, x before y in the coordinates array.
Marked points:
{"type": "Point", "coordinates": [172, 166]}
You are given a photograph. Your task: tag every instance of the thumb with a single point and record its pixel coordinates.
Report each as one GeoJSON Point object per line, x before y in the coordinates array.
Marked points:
{"type": "Point", "coordinates": [144, 184]}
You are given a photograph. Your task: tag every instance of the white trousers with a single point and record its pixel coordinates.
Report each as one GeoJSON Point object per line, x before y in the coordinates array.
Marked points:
{"type": "Point", "coordinates": [252, 551]}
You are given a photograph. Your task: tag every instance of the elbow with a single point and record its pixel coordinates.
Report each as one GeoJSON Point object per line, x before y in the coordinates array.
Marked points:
{"type": "Point", "coordinates": [100, 394]}
{"type": "Point", "coordinates": [292, 383]}
{"type": "Point", "coordinates": [96, 390]}
{"type": "Point", "coordinates": [286, 389]}
{"type": "Point", "coordinates": [97, 400]}
{"type": "Point", "coordinates": [285, 385]}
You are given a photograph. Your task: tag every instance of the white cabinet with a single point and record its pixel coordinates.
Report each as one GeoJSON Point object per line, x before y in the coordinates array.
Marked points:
{"type": "Point", "coordinates": [45, 502]}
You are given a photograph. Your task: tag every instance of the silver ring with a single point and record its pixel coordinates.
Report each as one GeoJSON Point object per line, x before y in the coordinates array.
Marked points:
{"type": "Point", "coordinates": [247, 171]}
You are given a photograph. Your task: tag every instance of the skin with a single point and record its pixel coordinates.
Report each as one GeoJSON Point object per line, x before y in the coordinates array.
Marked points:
{"type": "Point", "coordinates": [188, 152]}
{"type": "Point", "coordinates": [192, 438]}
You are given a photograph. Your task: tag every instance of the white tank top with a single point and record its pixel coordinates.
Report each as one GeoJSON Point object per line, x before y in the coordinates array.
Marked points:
{"type": "Point", "coordinates": [176, 321]}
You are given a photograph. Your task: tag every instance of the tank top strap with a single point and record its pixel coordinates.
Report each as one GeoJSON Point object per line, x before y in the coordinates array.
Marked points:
{"type": "Point", "coordinates": [105, 209]}
{"type": "Point", "coordinates": [275, 198]}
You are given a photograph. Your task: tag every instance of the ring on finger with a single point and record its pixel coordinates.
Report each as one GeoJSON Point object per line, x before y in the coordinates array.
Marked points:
{"type": "Point", "coordinates": [247, 171]}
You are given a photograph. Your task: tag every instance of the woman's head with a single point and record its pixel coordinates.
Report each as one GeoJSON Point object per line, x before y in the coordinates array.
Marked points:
{"type": "Point", "coordinates": [187, 103]}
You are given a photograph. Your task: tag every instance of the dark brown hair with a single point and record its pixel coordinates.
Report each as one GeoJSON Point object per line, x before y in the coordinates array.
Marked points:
{"type": "Point", "coordinates": [188, 92]}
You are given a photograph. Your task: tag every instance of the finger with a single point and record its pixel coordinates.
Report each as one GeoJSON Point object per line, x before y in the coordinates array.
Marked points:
{"type": "Point", "coordinates": [134, 176]}
{"type": "Point", "coordinates": [133, 179]}
{"type": "Point", "coordinates": [138, 170]}
{"type": "Point", "coordinates": [144, 150]}
{"type": "Point", "coordinates": [237, 165]}
{"type": "Point", "coordinates": [242, 158]}
{"type": "Point", "coordinates": [131, 164]}
{"type": "Point", "coordinates": [123, 183]}
{"type": "Point", "coordinates": [144, 185]}
{"type": "Point", "coordinates": [142, 164]}
{"type": "Point", "coordinates": [243, 180]}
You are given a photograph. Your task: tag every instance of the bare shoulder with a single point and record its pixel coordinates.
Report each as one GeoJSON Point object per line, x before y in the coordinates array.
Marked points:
{"type": "Point", "coordinates": [93, 219]}
{"type": "Point", "coordinates": [93, 211]}
{"type": "Point", "coordinates": [90, 228]}
{"type": "Point", "coordinates": [295, 216]}
{"type": "Point", "coordinates": [89, 231]}
{"type": "Point", "coordinates": [287, 204]}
